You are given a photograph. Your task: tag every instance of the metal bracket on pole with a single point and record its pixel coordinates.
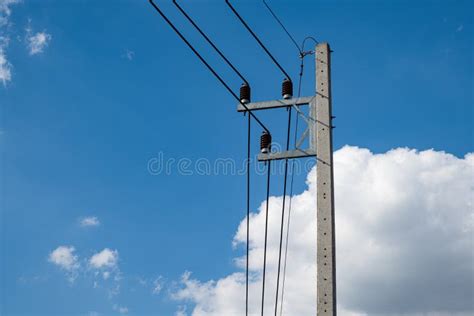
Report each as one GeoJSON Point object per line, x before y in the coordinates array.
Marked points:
{"type": "Point", "coordinates": [311, 121]}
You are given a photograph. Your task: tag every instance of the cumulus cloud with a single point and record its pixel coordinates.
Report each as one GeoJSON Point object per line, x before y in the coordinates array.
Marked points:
{"type": "Point", "coordinates": [64, 257]}
{"type": "Point", "coordinates": [5, 65]}
{"type": "Point", "coordinates": [404, 229]}
{"type": "Point", "coordinates": [157, 285]}
{"type": "Point", "coordinates": [120, 309]}
{"type": "Point", "coordinates": [5, 11]}
{"type": "Point", "coordinates": [37, 42]}
{"type": "Point", "coordinates": [128, 54]}
{"type": "Point", "coordinates": [105, 259]}
{"type": "Point", "coordinates": [181, 311]}
{"type": "Point", "coordinates": [91, 221]}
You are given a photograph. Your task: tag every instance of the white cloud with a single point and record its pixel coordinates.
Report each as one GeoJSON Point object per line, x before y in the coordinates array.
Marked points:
{"type": "Point", "coordinates": [404, 225]}
{"type": "Point", "coordinates": [5, 65]}
{"type": "Point", "coordinates": [64, 257]}
{"type": "Point", "coordinates": [129, 54]}
{"type": "Point", "coordinates": [91, 221]}
{"type": "Point", "coordinates": [460, 28]}
{"type": "Point", "coordinates": [157, 285]}
{"type": "Point", "coordinates": [5, 11]}
{"type": "Point", "coordinates": [105, 259]}
{"type": "Point", "coordinates": [181, 311]}
{"type": "Point", "coordinates": [37, 42]}
{"type": "Point", "coordinates": [120, 309]}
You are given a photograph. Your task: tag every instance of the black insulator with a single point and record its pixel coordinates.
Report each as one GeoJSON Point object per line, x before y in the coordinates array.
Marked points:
{"type": "Point", "coordinates": [245, 93]}
{"type": "Point", "coordinates": [287, 89]}
{"type": "Point", "coordinates": [265, 142]}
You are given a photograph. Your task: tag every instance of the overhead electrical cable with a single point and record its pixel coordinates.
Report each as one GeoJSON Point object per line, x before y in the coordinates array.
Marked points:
{"type": "Point", "coordinates": [248, 146]}
{"type": "Point", "coordinates": [266, 237]}
{"type": "Point", "coordinates": [281, 24]}
{"type": "Point", "coordinates": [209, 41]}
{"type": "Point", "coordinates": [287, 92]}
{"type": "Point", "coordinates": [290, 200]}
{"type": "Point", "coordinates": [207, 65]}
{"type": "Point", "coordinates": [257, 39]}
{"type": "Point", "coordinates": [248, 220]}
{"type": "Point", "coordinates": [303, 54]}
{"type": "Point", "coordinates": [283, 210]}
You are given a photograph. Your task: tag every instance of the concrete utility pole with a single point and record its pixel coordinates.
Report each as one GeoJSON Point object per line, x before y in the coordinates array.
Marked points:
{"type": "Point", "coordinates": [319, 130]}
{"type": "Point", "coordinates": [326, 256]}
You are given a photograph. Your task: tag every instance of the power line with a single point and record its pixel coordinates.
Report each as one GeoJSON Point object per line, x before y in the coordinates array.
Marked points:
{"type": "Point", "coordinates": [248, 146]}
{"type": "Point", "coordinates": [281, 24]}
{"type": "Point", "coordinates": [302, 55]}
{"type": "Point", "coordinates": [209, 41]}
{"type": "Point", "coordinates": [266, 234]}
{"type": "Point", "coordinates": [283, 210]}
{"type": "Point", "coordinates": [257, 39]}
{"type": "Point", "coordinates": [248, 220]}
{"type": "Point", "coordinates": [207, 64]}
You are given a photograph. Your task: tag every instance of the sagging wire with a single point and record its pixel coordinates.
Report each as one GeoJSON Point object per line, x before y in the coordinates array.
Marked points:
{"type": "Point", "coordinates": [210, 42]}
{"type": "Point", "coordinates": [175, 2]}
{"type": "Point", "coordinates": [302, 55]}
{"type": "Point", "coordinates": [207, 64]}
{"type": "Point", "coordinates": [266, 237]}
{"type": "Point", "coordinates": [257, 39]}
{"type": "Point", "coordinates": [282, 25]}
{"type": "Point", "coordinates": [250, 115]}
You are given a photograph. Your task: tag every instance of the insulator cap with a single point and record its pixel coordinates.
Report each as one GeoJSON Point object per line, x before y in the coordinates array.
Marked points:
{"type": "Point", "coordinates": [287, 89]}
{"type": "Point", "coordinates": [245, 93]}
{"type": "Point", "coordinates": [265, 142]}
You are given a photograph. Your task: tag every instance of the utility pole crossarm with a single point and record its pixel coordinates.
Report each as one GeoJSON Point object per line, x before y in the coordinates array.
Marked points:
{"type": "Point", "coordinates": [265, 105]}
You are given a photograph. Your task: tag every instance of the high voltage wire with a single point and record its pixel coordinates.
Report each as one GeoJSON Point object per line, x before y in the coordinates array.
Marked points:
{"type": "Point", "coordinates": [283, 209]}
{"type": "Point", "coordinates": [257, 39]}
{"type": "Point", "coordinates": [290, 200]}
{"type": "Point", "coordinates": [281, 24]}
{"type": "Point", "coordinates": [248, 148]}
{"type": "Point", "coordinates": [248, 220]}
{"type": "Point", "coordinates": [251, 115]}
{"type": "Point", "coordinates": [209, 41]}
{"type": "Point", "coordinates": [266, 234]}
{"type": "Point", "coordinates": [207, 64]}
{"type": "Point", "coordinates": [286, 162]}
{"type": "Point", "coordinates": [302, 55]}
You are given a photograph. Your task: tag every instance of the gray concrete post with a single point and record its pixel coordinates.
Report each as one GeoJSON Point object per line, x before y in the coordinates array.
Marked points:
{"type": "Point", "coordinates": [326, 246]}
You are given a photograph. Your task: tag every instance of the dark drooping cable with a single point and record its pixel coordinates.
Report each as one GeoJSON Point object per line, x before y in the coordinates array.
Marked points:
{"type": "Point", "coordinates": [248, 220]}
{"type": "Point", "coordinates": [283, 210]}
{"type": "Point", "coordinates": [248, 145]}
{"type": "Point", "coordinates": [257, 39]}
{"type": "Point", "coordinates": [302, 55]}
{"type": "Point", "coordinates": [266, 235]}
{"type": "Point", "coordinates": [207, 65]}
{"type": "Point", "coordinates": [209, 41]}
{"type": "Point", "coordinates": [281, 24]}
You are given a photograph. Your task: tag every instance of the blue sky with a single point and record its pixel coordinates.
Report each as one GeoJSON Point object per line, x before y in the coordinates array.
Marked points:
{"type": "Point", "coordinates": [113, 87]}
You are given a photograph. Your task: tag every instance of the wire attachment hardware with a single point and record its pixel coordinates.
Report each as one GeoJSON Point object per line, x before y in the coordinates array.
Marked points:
{"type": "Point", "coordinates": [287, 89]}
{"type": "Point", "coordinates": [265, 142]}
{"type": "Point", "coordinates": [245, 93]}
